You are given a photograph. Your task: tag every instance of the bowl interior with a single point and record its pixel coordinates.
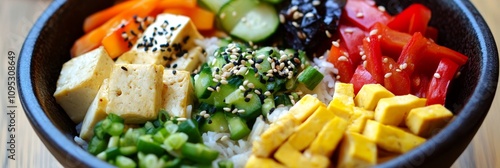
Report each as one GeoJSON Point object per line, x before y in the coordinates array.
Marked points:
{"type": "Point", "coordinates": [460, 28]}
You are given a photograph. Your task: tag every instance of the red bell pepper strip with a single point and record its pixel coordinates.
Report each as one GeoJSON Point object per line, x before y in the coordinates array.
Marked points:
{"type": "Point", "coordinates": [361, 77]}
{"type": "Point", "coordinates": [374, 58]}
{"type": "Point", "coordinates": [411, 20]}
{"type": "Point", "coordinates": [412, 53]}
{"type": "Point", "coordinates": [351, 37]}
{"type": "Point", "coordinates": [342, 63]}
{"type": "Point", "coordinates": [440, 81]}
{"type": "Point", "coordinates": [391, 41]}
{"type": "Point", "coordinates": [419, 85]}
{"type": "Point", "coordinates": [364, 14]}
{"type": "Point", "coordinates": [394, 80]}
{"type": "Point", "coordinates": [431, 33]}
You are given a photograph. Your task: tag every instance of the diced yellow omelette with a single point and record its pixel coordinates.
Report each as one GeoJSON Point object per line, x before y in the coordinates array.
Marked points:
{"type": "Point", "coordinates": [273, 137]}
{"type": "Point", "coordinates": [329, 137]}
{"type": "Point", "coordinates": [391, 138]}
{"type": "Point", "coordinates": [358, 119]}
{"type": "Point", "coordinates": [346, 89]}
{"type": "Point", "coordinates": [370, 94]}
{"type": "Point", "coordinates": [258, 162]}
{"type": "Point", "coordinates": [313, 160]}
{"type": "Point", "coordinates": [307, 131]}
{"type": "Point", "coordinates": [393, 110]}
{"type": "Point", "coordinates": [384, 156]}
{"type": "Point", "coordinates": [341, 105]}
{"type": "Point", "coordinates": [426, 121]}
{"type": "Point", "coordinates": [288, 155]}
{"type": "Point", "coordinates": [305, 107]}
{"type": "Point", "coordinates": [357, 150]}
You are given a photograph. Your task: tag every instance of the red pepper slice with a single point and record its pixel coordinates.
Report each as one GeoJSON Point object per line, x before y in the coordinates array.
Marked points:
{"type": "Point", "coordinates": [419, 85]}
{"type": "Point", "coordinates": [351, 37]}
{"type": "Point", "coordinates": [364, 14]}
{"type": "Point", "coordinates": [361, 77]}
{"type": "Point", "coordinates": [342, 63]}
{"type": "Point", "coordinates": [412, 53]}
{"type": "Point", "coordinates": [374, 58]}
{"type": "Point", "coordinates": [391, 41]}
{"type": "Point", "coordinates": [431, 33]}
{"type": "Point", "coordinates": [394, 80]}
{"type": "Point", "coordinates": [440, 81]}
{"type": "Point", "coordinates": [411, 20]}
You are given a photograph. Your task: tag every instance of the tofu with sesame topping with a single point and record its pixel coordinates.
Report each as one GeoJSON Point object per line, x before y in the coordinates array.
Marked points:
{"type": "Point", "coordinates": [190, 62]}
{"type": "Point", "coordinates": [135, 92]}
{"type": "Point", "coordinates": [170, 37]}
{"type": "Point", "coordinates": [177, 92]}
{"type": "Point", "coordinates": [79, 82]}
{"type": "Point", "coordinates": [96, 112]}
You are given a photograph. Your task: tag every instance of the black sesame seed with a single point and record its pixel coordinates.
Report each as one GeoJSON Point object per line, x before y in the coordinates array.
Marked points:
{"type": "Point", "coordinates": [247, 99]}
{"type": "Point", "coordinates": [165, 58]}
{"type": "Point", "coordinates": [168, 65]}
{"type": "Point", "coordinates": [133, 33]}
{"type": "Point", "coordinates": [130, 44]}
{"type": "Point", "coordinates": [271, 79]}
{"type": "Point", "coordinates": [271, 110]}
{"type": "Point", "coordinates": [185, 40]}
{"type": "Point", "coordinates": [271, 52]}
{"type": "Point", "coordinates": [124, 68]}
{"type": "Point", "coordinates": [209, 121]}
{"type": "Point", "coordinates": [154, 49]}
{"type": "Point", "coordinates": [174, 72]}
{"type": "Point", "coordinates": [260, 60]}
{"type": "Point", "coordinates": [172, 28]}
{"type": "Point", "coordinates": [174, 66]}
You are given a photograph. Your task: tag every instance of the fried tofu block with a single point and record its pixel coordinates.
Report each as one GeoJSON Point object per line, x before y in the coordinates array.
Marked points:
{"type": "Point", "coordinates": [177, 92]}
{"type": "Point", "coordinates": [80, 80]}
{"type": "Point", "coordinates": [370, 94]}
{"type": "Point", "coordinates": [307, 131]}
{"type": "Point", "coordinates": [258, 162]}
{"type": "Point", "coordinates": [273, 137]}
{"type": "Point", "coordinates": [425, 121]}
{"type": "Point", "coordinates": [328, 138]}
{"type": "Point", "coordinates": [357, 150]}
{"type": "Point", "coordinates": [393, 110]}
{"type": "Point", "coordinates": [391, 138]}
{"type": "Point", "coordinates": [189, 62]}
{"type": "Point", "coordinates": [135, 92]}
{"type": "Point", "coordinates": [96, 112]}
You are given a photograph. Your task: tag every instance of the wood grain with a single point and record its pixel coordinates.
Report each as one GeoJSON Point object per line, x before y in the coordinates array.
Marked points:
{"type": "Point", "coordinates": [17, 17]}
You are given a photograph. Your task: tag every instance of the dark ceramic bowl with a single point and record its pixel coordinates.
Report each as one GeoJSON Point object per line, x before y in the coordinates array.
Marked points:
{"type": "Point", "coordinates": [460, 27]}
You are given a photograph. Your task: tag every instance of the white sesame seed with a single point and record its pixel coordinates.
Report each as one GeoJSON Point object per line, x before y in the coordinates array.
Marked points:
{"type": "Point", "coordinates": [363, 57]}
{"type": "Point", "coordinates": [316, 2]}
{"type": "Point", "coordinates": [245, 82]}
{"type": "Point", "coordinates": [359, 15]}
{"type": "Point", "coordinates": [373, 32]}
{"type": "Point", "coordinates": [398, 70]}
{"type": "Point", "coordinates": [368, 39]}
{"type": "Point", "coordinates": [337, 77]}
{"type": "Point", "coordinates": [385, 60]}
{"type": "Point", "coordinates": [403, 66]}
{"type": "Point", "coordinates": [242, 88]}
{"type": "Point", "coordinates": [215, 80]}
{"type": "Point", "coordinates": [234, 13]}
{"type": "Point", "coordinates": [251, 85]}
{"type": "Point", "coordinates": [365, 63]}
{"type": "Point", "coordinates": [241, 111]}
{"type": "Point", "coordinates": [203, 113]}
{"type": "Point", "coordinates": [261, 56]}
{"type": "Point", "coordinates": [292, 9]}
{"type": "Point", "coordinates": [297, 15]}
{"type": "Point", "coordinates": [336, 43]}
{"type": "Point", "coordinates": [309, 14]}
{"type": "Point", "coordinates": [282, 18]}
{"type": "Point", "coordinates": [267, 93]}
{"type": "Point", "coordinates": [387, 75]}
{"type": "Point", "coordinates": [437, 75]}
{"type": "Point", "coordinates": [458, 74]}
{"type": "Point", "coordinates": [249, 96]}
{"type": "Point", "coordinates": [379, 36]}
{"type": "Point", "coordinates": [257, 92]}
{"type": "Point", "coordinates": [235, 110]}
{"type": "Point", "coordinates": [381, 8]}
{"type": "Point", "coordinates": [226, 109]}
{"type": "Point", "coordinates": [361, 52]}
{"type": "Point", "coordinates": [295, 24]}
{"type": "Point", "coordinates": [328, 34]}
{"type": "Point", "coordinates": [181, 119]}
{"type": "Point", "coordinates": [222, 15]}
{"type": "Point", "coordinates": [390, 66]}
{"type": "Point", "coordinates": [343, 58]}
{"type": "Point", "coordinates": [210, 89]}
{"type": "Point", "coordinates": [206, 115]}
{"type": "Point", "coordinates": [224, 138]}
{"type": "Point", "coordinates": [217, 88]}
{"type": "Point", "coordinates": [348, 30]}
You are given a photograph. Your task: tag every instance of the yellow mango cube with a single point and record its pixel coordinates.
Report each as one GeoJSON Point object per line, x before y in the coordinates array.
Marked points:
{"type": "Point", "coordinates": [391, 138]}
{"type": "Point", "coordinates": [357, 150]}
{"type": "Point", "coordinates": [329, 137]}
{"type": "Point", "coordinates": [306, 132]}
{"type": "Point", "coordinates": [393, 110]}
{"type": "Point", "coordinates": [370, 94]}
{"type": "Point", "coordinates": [426, 121]}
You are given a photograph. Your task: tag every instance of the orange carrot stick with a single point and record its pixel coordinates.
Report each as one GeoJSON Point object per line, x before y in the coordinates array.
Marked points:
{"type": "Point", "coordinates": [97, 19]}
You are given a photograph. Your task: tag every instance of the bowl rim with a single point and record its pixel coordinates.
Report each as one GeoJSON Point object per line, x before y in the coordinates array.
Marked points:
{"type": "Point", "coordinates": [68, 152]}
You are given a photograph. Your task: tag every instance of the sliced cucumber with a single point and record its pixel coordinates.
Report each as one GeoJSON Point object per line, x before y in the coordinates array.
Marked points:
{"type": "Point", "coordinates": [216, 123]}
{"type": "Point", "coordinates": [249, 20]}
{"type": "Point", "coordinates": [215, 5]}
{"type": "Point", "coordinates": [252, 106]}
{"type": "Point", "coordinates": [202, 82]}
{"type": "Point", "coordinates": [238, 128]}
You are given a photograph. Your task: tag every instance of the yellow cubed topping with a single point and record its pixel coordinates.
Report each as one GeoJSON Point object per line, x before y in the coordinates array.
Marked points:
{"type": "Point", "coordinates": [357, 150]}
{"type": "Point", "coordinates": [289, 156]}
{"type": "Point", "coordinates": [391, 138]}
{"type": "Point", "coordinates": [305, 107]}
{"type": "Point", "coordinates": [258, 162]}
{"type": "Point", "coordinates": [370, 94]}
{"type": "Point", "coordinates": [393, 110]}
{"type": "Point", "coordinates": [307, 131]}
{"type": "Point", "coordinates": [358, 119]}
{"type": "Point", "coordinates": [316, 161]}
{"type": "Point", "coordinates": [346, 89]}
{"type": "Point", "coordinates": [329, 137]}
{"type": "Point", "coordinates": [426, 121]}
{"type": "Point", "coordinates": [273, 137]}
{"type": "Point", "coordinates": [341, 107]}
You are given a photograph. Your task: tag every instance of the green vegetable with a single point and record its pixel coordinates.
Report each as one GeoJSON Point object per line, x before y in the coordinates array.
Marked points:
{"type": "Point", "coordinates": [310, 77]}
{"type": "Point", "coordinates": [225, 164]}
{"type": "Point", "coordinates": [146, 144]}
{"type": "Point", "coordinates": [190, 127]}
{"type": "Point", "coordinates": [125, 162]}
{"type": "Point", "coordinates": [237, 127]}
{"type": "Point", "coordinates": [96, 145]}
{"type": "Point", "coordinates": [216, 123]}
{"type": "Point", "coordinates": [199, 153]}
{"type": "Point", "coordinates": [175, 141]}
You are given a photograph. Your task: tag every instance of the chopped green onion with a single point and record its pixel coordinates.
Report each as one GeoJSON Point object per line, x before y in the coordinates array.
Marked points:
{"type": "Point", "coordinates": [125, 162]}
{"type": "Point", "coordinates": [128, 150]}
{"type": "Point", "coordinates": [96, 145]}
{"type": "Point", "coordinates": [310, 77]}
{"type": "Point", "coordinates": [160, 135]}
{"type": "Point", "coordinates": [112, 153]}
{"type": "Point", "coordinates": [225, 164]}
{"type": "Point", "coordinates": [190, 127]}
{"type": "Point", "coordinates": [175, 141]}
{"type": "Point", "coordinates": [150, 160]}
{"type": "Point", "coordinates": [199, 153]}
{"type": "Point", "coordinates": [99, 131]}
{"type": "Point", "coordinates": [113, 141]}
{"type": "Point", "coordinates": [171, 127]}
{"type": "Point", "coordinates": [146, 144]}
{"type": "Point", "coordinates": [114, 118]}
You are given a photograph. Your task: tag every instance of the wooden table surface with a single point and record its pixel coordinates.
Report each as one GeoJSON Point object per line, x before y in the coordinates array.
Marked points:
{"type": "Point", "coordinates": [17, 17]}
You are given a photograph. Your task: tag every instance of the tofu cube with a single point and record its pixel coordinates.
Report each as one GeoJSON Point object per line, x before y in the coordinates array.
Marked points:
{"type": "Point", "coordinates": [393, 110]}
{"type": "Point", "coordinates": [135, 92]}
{"type": "Point", "coordinates": [305, 107]}
{"type": "Point", "coordinates": [426, 121]}
{"type": "Point", "coordinates": [96, 112]}
{"type": "Point", "coordinates": [177, 92]}
{"type": "Point", "coordinates": [273, 137]}
{"type": "Point", "coordinates": [306, 132]}
{"type": "Point", "coordinates": [79, 82]}
{"type": "Point", "coordinates": [358, 119]}
{"type": "Point", "coordinates": [357, 150]}
{"type": "Point", "coordinates": [168, 38]}
{"type": "Point", "coordinates": [189, 62]}
{"type": "Point", "coordinates": [329, 137]}
{"type": "Point", "coordinates": [369, 95]}
{"type": "Point", "coordinates": [391, 138]}
{"type": "Point", "coordinates": [258, 162]}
